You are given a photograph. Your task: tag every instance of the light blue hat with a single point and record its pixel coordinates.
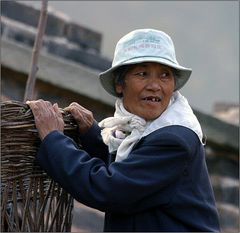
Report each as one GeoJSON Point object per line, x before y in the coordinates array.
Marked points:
{"type": "Point", "coordinates": [144, 45]}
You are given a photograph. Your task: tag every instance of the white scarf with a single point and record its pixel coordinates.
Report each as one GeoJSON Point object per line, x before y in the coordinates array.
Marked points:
{"type": "Point", "coordinates": [122, 131]}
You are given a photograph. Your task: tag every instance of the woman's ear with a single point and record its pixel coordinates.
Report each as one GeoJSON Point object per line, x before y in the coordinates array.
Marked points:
{"type": "Point", "coordinates": [119, 89]}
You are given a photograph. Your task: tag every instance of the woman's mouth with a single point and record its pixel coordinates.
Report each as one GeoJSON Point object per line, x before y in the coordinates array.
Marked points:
{"type": "Point", "coordinates": [152, 99]}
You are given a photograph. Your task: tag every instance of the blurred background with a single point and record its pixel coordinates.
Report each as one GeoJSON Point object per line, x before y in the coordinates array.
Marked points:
{"type": "Point", "coordinates": [205, 34]}
{"type": "Point", "coordinates": [79, 43]}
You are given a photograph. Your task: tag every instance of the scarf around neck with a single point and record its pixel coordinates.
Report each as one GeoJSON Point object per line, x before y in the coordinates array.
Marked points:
{"type": "Point", "coordinates": [122, 131]}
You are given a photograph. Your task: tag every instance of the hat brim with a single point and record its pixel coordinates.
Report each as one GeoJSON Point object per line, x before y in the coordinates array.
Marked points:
{"type": "Point", "coordinates": [107, 78]}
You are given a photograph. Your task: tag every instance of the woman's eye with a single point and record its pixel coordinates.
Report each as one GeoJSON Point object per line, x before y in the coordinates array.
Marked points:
{"type": "Point", "coordinates": [142, 74]}
{"type": "Point", "coordinates": [165, 75]}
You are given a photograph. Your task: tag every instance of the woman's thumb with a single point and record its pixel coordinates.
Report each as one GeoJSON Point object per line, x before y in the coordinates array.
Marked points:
{"type": "Point", "coordinates": [57, 110]}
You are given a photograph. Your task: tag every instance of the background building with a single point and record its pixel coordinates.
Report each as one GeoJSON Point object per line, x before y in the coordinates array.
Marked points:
{"type": "Point", "coordinates": [227, 112]}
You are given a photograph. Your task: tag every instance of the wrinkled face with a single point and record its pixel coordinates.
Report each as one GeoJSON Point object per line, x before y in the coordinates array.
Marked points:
{"type": "Point", "coordinates": [147, 89]}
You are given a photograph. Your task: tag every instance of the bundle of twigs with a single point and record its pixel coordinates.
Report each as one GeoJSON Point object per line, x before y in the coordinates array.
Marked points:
{"type": "Point", "coordinates": [30, 200]}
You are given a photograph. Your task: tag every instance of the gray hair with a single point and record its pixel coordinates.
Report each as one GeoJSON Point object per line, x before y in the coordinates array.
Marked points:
{"type": "Point", "coordinates": [119, 75]}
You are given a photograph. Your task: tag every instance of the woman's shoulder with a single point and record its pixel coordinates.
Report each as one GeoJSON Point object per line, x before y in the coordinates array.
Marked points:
{"type": "Point", "coordinates": [173, 135]}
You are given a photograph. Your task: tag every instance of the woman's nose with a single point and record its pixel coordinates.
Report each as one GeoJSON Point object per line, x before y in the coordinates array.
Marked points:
{"type": "Point", "coordinates": [153, 83]}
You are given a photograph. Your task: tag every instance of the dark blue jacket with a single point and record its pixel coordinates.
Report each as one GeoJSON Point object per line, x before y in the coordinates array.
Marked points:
{"type": "Point", "coordinates": [163, 185]}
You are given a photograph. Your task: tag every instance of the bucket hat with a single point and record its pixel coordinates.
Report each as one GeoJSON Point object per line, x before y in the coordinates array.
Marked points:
{"type": "Point", "coordinates": [144, 45]}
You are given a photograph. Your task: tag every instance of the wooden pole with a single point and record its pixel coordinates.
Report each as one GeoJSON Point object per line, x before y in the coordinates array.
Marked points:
{"type": "Point", "coordinates": [29, 91]}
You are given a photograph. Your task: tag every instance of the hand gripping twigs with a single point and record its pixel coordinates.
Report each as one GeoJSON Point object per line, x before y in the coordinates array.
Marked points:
{"type": "Point", "coordinates": [30, 200]}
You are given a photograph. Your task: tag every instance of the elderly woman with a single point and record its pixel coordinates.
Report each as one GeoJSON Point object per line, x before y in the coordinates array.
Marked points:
{"type": "Point", "coordinates": [145, 166]}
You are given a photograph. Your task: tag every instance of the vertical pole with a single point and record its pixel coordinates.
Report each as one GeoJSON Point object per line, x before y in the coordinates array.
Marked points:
{"type": "Point", "coordinates": [29, 91]}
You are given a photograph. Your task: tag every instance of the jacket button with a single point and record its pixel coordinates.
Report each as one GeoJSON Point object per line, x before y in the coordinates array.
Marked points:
{"type": "Point", "coordinates": [185, 172]}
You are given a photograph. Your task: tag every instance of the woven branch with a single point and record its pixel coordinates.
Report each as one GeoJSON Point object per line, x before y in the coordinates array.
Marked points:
{"type": "Point", "coordinates": [30, 200]}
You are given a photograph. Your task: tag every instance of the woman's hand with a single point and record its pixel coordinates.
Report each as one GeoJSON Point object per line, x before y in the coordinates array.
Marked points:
{"type": "Point", "coordinates": [83, 116]}
{"type": "Point", "coordinates": [47, 117]}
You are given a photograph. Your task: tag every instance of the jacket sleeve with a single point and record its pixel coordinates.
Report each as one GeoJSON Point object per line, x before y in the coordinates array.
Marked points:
{"type": "Point", "coordinates": [148, 177]}
{"type": "Point", "coordinates": [93, 144]}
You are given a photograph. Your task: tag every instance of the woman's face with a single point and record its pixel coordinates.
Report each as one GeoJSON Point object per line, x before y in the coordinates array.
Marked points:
{"type": "Point", "coordinates": [147, 89]}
